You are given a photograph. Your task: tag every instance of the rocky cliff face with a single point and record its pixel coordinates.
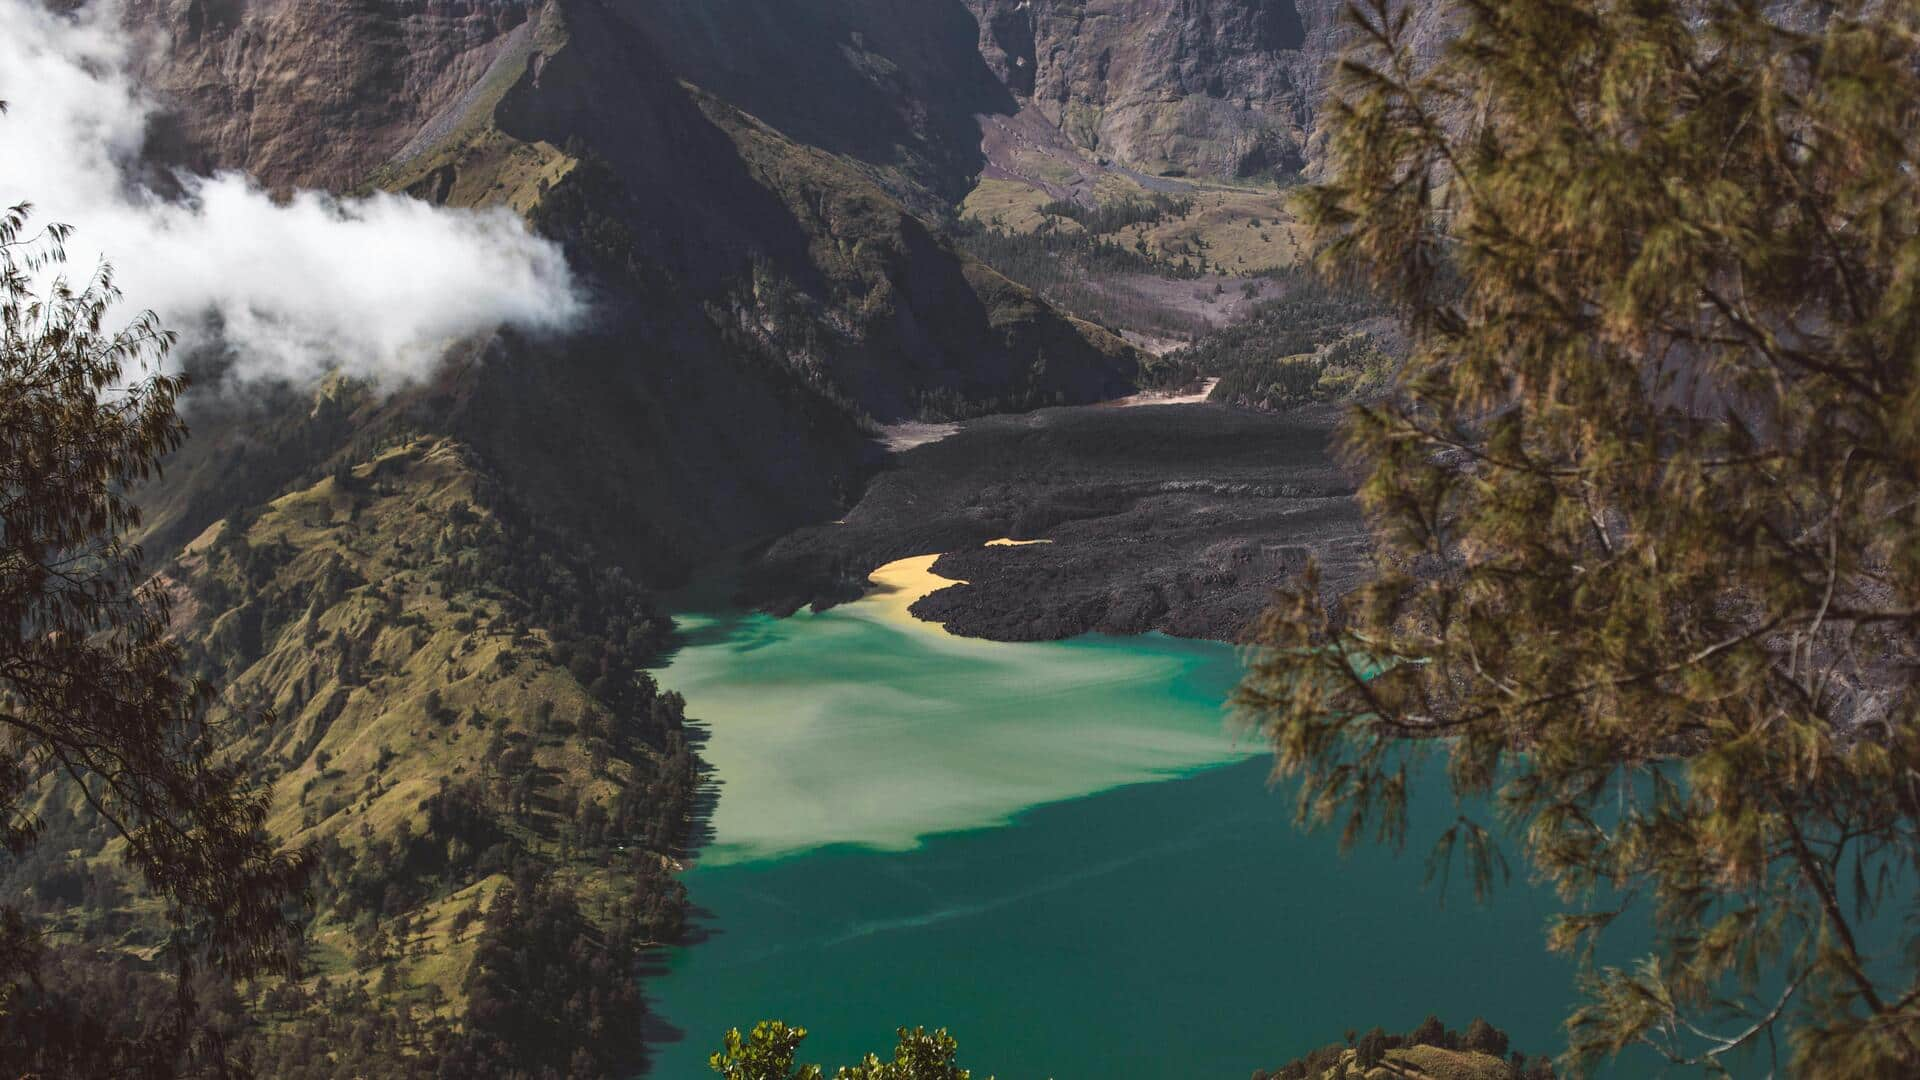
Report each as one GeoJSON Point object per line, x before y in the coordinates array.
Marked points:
{"type": "Point", "coordinates": [1217, 87]}
{"type": "Point", "coordinates": [893, 87]}
{"type": "Point", "coordinates": [312, 93]}
{"type": "Point", "coordinates": [1222, 88]}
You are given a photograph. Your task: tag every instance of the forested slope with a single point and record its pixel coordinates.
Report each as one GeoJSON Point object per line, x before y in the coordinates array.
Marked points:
{"type": "Point", "coordinates": [448, 703]}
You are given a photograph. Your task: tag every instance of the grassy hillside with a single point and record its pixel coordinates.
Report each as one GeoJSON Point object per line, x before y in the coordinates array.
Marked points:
{"type": "Point", "coordinates": [448, 704]}
{"type": "Point", "coordinates": [1236, 230]}
{"type": "Point", "coordinates": [1171, 263]}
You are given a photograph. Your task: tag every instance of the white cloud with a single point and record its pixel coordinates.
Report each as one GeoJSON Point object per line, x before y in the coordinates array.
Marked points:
{"type": "Point", "coordinates": [376, 287]}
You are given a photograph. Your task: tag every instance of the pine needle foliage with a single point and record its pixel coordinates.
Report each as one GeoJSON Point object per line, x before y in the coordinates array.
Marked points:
{"type": "Point", "coordinates": [1646, 500]}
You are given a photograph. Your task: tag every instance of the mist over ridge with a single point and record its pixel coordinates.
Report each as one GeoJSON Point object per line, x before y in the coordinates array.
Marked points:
{"type": "Point", "coordinates": [375, 287]}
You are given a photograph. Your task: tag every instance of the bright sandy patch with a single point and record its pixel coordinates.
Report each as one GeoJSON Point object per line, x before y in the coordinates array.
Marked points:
{"type": "Point", "coordinates": [897, 586]}
{"type": "Point", "coordinates": [900, 584]}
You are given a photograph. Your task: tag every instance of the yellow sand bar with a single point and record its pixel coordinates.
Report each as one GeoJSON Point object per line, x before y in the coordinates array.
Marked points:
{"type": "Point", "coordinates": [900, 584]}
{"type": "Point", "coordinates": [897, 586]}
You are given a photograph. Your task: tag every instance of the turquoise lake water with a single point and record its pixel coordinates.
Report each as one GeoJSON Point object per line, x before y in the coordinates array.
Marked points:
{"type": "Point", "coordinates": [1056, 850]}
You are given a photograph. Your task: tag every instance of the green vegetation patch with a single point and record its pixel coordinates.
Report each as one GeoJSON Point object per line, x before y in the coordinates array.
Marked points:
{"type": "Point", "coordinates": [450, 709]}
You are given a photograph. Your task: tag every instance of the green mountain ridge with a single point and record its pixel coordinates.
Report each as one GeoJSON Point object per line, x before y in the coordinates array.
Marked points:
{"type": "Point", "coordinates": [447, 702]}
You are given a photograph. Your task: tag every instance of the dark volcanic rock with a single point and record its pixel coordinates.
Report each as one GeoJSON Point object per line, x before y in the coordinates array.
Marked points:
{"type": "Point", "coordinates": [1178, 518]}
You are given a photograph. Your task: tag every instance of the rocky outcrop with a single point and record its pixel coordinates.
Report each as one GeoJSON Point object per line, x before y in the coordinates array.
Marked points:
{"type": "Point", "coordinates": [891, 86]}
{"type": "Point", "coordinates": [1216, 87]}
{"type": "Point", "coordinates": [1220, 88]}
{"type": "Point", "coordinates": [311, 93]}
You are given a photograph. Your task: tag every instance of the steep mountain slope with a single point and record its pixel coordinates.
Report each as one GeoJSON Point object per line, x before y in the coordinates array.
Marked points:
{"type": "Point", "coordinates": [1206, 88]}
{"type": "Point", "coordinates": [757, 298]}
{"type": "Point", "coordinates": [576, 78]}
{"type": "Point", "coordinates": [1215, 87]}
{"type": "Point", "coordinates": [893, 88]}
{"type": "Point", "coordinates": [313, 94]}
{"type": "Point", "coordinates": [446, 699]}
{"type": "Point", "coordinates": [1223, 89]}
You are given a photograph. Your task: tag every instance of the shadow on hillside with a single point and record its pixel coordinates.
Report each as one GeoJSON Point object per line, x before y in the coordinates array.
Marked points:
{"type": "Point", "coordinates": [705, 798]}
{"type": "Point", "coordinates": [656, 1030]}
{"type": "Point", "coordinates": [876, 81]}
{"type": "Point", "coordinates": [702, 923]}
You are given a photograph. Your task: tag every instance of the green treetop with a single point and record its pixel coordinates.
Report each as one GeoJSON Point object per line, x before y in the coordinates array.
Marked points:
{"type": "Point", "coordinates": [769, 1050]}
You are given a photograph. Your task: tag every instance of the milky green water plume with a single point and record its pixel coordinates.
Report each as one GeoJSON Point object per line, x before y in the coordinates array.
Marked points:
{"type": "Point", "coordinates": [862, 726]}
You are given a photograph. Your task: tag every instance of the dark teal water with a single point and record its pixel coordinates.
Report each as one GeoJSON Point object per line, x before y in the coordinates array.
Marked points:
{"type": "Point", "coordinates": [1054, 850]}
{"type": "Point", "coordinates": [1177, 929]}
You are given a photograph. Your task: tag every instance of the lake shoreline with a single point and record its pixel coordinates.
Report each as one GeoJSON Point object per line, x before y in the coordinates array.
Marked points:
{"type": "Point", "coordinates": [1177, 518]}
